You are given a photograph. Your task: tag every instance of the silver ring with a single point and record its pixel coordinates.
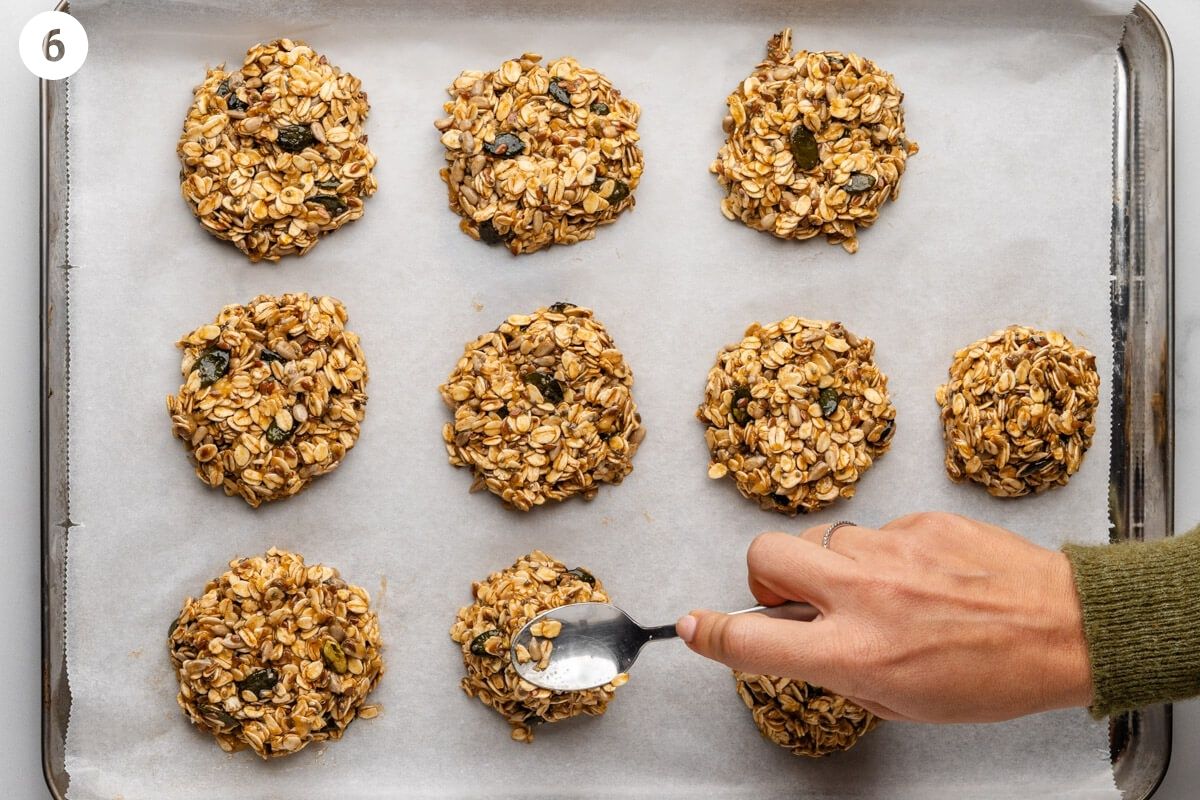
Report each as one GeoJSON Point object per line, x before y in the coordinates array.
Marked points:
{"type": "Point", "coordinates": [841, 523]}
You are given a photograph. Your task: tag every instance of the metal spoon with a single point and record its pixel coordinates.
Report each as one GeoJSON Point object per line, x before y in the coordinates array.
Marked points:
{"type": "Point", "coordinates": [598, 641]}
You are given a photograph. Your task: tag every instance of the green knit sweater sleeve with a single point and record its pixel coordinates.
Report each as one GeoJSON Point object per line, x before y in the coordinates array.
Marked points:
{"type": "Point", "coordinates": [1141, 618]}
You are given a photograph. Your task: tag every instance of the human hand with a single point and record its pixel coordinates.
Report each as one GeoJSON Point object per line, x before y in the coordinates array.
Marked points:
{"type": "Point", "coordinates": [933, 618]}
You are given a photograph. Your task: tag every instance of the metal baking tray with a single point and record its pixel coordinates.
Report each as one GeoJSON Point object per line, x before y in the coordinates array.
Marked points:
{"type": "Point", "coordinates": [1142, 466]}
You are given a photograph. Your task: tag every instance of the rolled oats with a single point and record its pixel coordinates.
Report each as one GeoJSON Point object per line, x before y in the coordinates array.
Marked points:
{"type": "Point", "coordinates": [273, 395]}
{"type": "Point", "coordinates": [796, 412]}
{"type": "Point", "coordinates": [815, 144]}
{"type": "Point", "coordinates": [805, 719]}
{"type": "Point", "coordinates": [543, 408]}
{"type": "Point", "coordinates": [503, 604]}
{"type": "Point", "coordinates": [274, 155]}
{"type": "Point", "coordinates": [250, 655]}
{"type": "Point", "coordinates": [1018, 413]}
{"type": "Point", "coordinates": [538, 154]}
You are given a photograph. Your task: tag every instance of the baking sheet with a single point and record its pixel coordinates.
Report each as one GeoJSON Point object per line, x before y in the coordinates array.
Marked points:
{"type": "Point", "coordinates": [1004, 217]}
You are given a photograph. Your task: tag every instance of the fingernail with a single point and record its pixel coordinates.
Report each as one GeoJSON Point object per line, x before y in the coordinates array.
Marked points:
{"type": "Point", "coordinates": [686, 627]}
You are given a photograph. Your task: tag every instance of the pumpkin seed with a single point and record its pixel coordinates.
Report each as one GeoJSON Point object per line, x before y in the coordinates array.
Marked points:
{"type": "Point", "coordinates": [174, 625]}
{"type": "Point", "coordinates": [488, 233]}
{"type": "Point", "coordinates": [334, 656]}
{"type": "Point", "coordinates": [213, 365]}
{"type": "Point", "coordinates": [328, 183]}
{"type": "Point", "coordinates": [294, 138]}
{"type": "Point", "coordinates": [828, 398]}
{"type": "Point", "coordinates": [738, 406]}
{"type": "Point", "coordinates": [1036, 466]}
{"type": "Point", "coordinates": [559, 93]}
{"type": "Point", "coordinates": [270, 355]}
{"type": "Point", "coordinates": [477, 644]}
{"type": "Point", "coordinates": [505, 145]}
{"type": "Point", "coordinates": [581, 574]}
{"type": "Point", "coordinates": [561, 306]}
{"type": "Point", "coordinates": [599, 109]}
{"type": "Point", "coordinates": [330, 724]}
{"type": "Point", "coordinates": [235, 103]}
{"type": "Point", "coordinates": [889, 428]}
{"type": "Point", "coordinates": [859, 182]}
{"type": "Point", "coordinates": [259, 681]}
{"type": "Point", "coordinates": [619, 192]}
{"type": "Point", "coordinates": [223, 717]}
{"type": "Point", "coordinates": [547, 384]}
{"type": "Point", "coordinates": [332, 203]}
{"type": "Point", "coordinates": [804, 147]}
{"type": "Point", "coordinates": [277, 435]}
{"type": "Point", "coordinates": [223, 89]}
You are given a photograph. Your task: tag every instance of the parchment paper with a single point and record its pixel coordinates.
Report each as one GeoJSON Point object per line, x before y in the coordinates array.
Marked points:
{"type": "Point", "coordinates": [1004, 217]}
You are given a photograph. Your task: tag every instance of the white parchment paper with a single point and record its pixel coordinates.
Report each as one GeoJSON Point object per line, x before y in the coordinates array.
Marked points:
{"type": "Point", "coordinates": [1004, 217]}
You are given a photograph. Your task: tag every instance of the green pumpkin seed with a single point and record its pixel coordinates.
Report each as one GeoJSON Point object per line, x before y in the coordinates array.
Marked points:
{"type": "Point", "coordinates": [330, 202]}
{"type": "Point", "coordinates": [619, 192]}
{"type": "Point", "coordinates": [559, 93]}
{"type": "Point", "coordinates": [599, 109]}
{"type": "Point", "coordinates": [885, 435]}
{"type": "Point", "coordinates": [223, 89]}
{"type": "Point", "coordinates": [859, 182]}
{"type": "Point", "coordinates": [235, 103]}
{"type": "Point", "coordinates": [220, 715]}
{"type": "Point", "coordinates": [334, 656]}
{"type": "Point", "coordinates": [328, 183]}
{"type": "Point", "coordinates": [294, 138]}
{"type": "Point", "coordinates": [174, 625]}
{"type": "Point", "coordinates": [477, 644]}
{"type": "Point", "coordinates": [781, 500]}
{"type": "Point", "coordinates": [270, 355]}
{"type": "Point", "coordinates": [331, 725]}
{"type": "Point", "coordinates": [804, 147]}
{"type": "Point", "coordinates": [739, 405]}
{"type": "Point", "coordinates": [259, 681]}
{"type": "Point", "coordinates": [581, 574]}
{"type": "Point", "coordinates": [277, 435]}
{"type": "Point", "coordinates": [561, 306]}
{"type": "Point", "coordinates": [505, 145]}
{"type": "Point", "coordinates": [828, 398]}
{"type": "Point", "coordinates": [213, 364]}
{"type": "Point", "coordinates": [547, 384]}
{"type": "Point", "coordinates": [1036, 466]}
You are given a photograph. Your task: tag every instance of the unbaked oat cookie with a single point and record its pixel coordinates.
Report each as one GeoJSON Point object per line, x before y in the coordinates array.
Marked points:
{"type": "Point", "coordinates": [816, 144]}
{"type": "Point", "coordinates": [543, 408]}
{"type": "Point", "coordinates": [804, 718]}
{"type": "Point", "coordinates": [274, 155]}
{"type": "Point", "coordinates": [538, 154]}
{"type": "Point", "coordinates": [1019, 411]}
{"type": "Point", "coordinates": [503, 604]}
{"type": "Point", "coordinates": [273, 395]}
{"type": "Point", "coordinates": [796, 412]}
{"type": "Point", "coordinates": [276, 654]}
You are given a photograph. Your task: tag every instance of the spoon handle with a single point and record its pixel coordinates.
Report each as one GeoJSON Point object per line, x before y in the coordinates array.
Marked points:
{"type": "Point", "coordinates": [802, 612]}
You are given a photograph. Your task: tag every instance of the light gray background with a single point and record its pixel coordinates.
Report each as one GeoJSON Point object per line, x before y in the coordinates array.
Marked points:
{"type": "Point", "coordinates": [20, 668]}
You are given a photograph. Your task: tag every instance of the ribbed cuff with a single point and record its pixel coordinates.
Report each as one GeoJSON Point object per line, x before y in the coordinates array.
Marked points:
{"type": "Point", "coordinates": [1141, 617]}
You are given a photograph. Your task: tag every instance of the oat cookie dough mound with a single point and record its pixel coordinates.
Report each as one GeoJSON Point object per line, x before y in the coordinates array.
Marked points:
{"type": "Point", "coordinates": [276, 654]}
{"type": "Point", "coordinates": [273, 395]}
{"type": "Point", "coordinates": [795, 413]}
{"type": "Point", "coordinates": [543, 408]}
{"type": "Point", "coordinates": [1019, 411]}
{"type": "Point", "coordinates": [805, 719]}
{"type": "Point", "coordinates": [815, 145]}
{"type": "Point", "coordinates": [504, 603]}
{"type": "Point", "coordinates": [538, 154]}
{"type": "Point", "coordinates": [274, 155]}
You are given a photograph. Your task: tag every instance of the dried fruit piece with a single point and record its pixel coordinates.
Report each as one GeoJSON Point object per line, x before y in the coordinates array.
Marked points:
{"type": "Point", "coordinates": [212, 366]}
{"type": "Point", "coordinates": [488, 233]}
{"type": "Point", "coordinates": [505, 145]}
{"type": "Point", "coordinates": [559, 93]}
{"type": "Point", "coordinates": [294, 138]}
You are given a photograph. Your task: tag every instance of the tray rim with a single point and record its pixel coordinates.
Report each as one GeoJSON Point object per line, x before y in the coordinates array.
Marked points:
{"type": "Point", "coordinates": [1127, 737]}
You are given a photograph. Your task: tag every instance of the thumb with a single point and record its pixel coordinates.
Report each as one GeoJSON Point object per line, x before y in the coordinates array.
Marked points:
{"type": "Point", "coordinates": [756, 643]}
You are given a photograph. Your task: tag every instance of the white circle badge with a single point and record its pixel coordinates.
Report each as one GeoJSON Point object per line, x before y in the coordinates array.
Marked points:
{"type": "Point", "coordinates": [53, 45]}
